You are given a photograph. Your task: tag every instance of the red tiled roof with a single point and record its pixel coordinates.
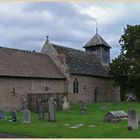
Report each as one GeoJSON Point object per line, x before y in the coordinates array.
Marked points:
{"type": "Point", "coordinates": [21, 63]}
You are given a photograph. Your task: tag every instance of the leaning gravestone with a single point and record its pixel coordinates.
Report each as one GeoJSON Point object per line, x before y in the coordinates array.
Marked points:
{"type": "Point", "coordinates": [26, 116]}
{"type": "Point", "coordinates": [66, 105]}
{"type": "Point", "coordinates": [2, 115]}
{"type": "Point", "coordinates": [51, 110]}
{"type": "Point", "coordinates": [132, 119]}
{"type": "Point", "coordinates": [83, 107]}
{"type": "Point", "coordinates": [14, 116]}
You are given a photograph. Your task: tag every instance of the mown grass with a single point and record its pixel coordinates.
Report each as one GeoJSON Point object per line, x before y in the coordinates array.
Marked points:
{"type": "Point", "coordinates": [43, 128]}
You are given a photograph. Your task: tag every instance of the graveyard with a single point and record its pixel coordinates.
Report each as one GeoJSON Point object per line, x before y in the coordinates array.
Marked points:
{"type": "Point", "coordinates": [73, 124]}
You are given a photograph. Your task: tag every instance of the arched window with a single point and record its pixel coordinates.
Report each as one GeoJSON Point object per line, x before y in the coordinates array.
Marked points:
{"type": "Point", "coordinates": [75, 86]}
{"type": "Point", "coordinates": [95, 93]}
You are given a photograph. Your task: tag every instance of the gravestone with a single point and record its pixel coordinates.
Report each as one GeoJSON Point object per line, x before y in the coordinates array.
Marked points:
{"type": "Point", "coordinates": [14, 116]}
{"type": "Point", "coordinates": [38, 101]}
{"type": "Point", "coordinates": [132, 119]}
{"type": "Point", "coordinates": [115, 116]}
{"type": "Point", "coordinates": [67, 124]}
{"type": "Point", "coordinates": [2, 115]}
{"type": "Point", "coordinates": [26, 116]}
{"type": "Point", "coordinates": [83, 107]}
{"type": "Point", "coordinates": [51, 110]}
{"type": "Point", "coordinates": [41, 110]}
{"type": "Point", "coordinates": [24, 103]}
{"type": "Point", "coordinates": [92, 125]}
{"type": "Point", "coordinates": [66, 105]}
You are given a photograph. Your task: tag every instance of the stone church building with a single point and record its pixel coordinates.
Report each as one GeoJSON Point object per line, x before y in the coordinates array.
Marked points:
{"type": "Point", "coordinates": [56, 71]}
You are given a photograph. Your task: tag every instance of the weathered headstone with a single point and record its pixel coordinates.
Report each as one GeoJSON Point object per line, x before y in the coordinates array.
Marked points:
{"type": "Point", "coordinates": [83, 107]}
{"type": "Point", "coordinates": [2, 115]}
{"type": "Point", "coordinates": [132, 119]}
{"type": "Point", "coordinates": [41, 110]}
{"type": "Point", "coordinates": [115, 116]}
{"type": "Point", "coordinates": [14, 116]}
{"type": "Point", "coordinates": [51, 110]}
{"type": "Point", "coordinates": [66, 105]}
{"type": "Point", "coordinates": [26, 116]}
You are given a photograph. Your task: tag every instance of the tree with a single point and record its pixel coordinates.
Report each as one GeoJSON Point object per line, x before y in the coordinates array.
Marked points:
{"type": "Point", "coordinates": [126, 67]}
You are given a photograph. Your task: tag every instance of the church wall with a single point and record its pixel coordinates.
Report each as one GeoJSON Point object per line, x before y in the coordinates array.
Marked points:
{"type": "Point", "coordinates": [87, 85]}
{"type": "Point", "coordinates": [24, 86]}
{"type": "Point", "coordinates": [52, 53]}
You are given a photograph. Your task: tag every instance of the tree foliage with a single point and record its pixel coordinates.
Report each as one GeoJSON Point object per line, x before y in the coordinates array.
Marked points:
{"type": "Point", "coordinates": [126, 68]}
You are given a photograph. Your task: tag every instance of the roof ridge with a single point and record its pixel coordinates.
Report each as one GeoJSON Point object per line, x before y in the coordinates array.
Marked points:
{"type": "Point", "coordinates": [24, 51]}
{"type": "Point", "coordinates": [65, 47]}
{"type": "Point", "coordinates": [88, 52]}
{"type": "Point", "coordinates": [99, 37]}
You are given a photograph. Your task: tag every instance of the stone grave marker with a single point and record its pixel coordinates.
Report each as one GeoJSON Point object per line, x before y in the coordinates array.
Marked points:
{"type": "Point", "coordinates": [38, 100]}
{"type": "Point", "coordinates": [51, 110]}
{"type": "Point", "coordinates": [92, 125]}
{"type": "Point", "coordinates": [2, 115]}
{"type": "Point", "coordinates": [67, 124]}
{"type": "Point", "coordinates": [26, 116]}
{"type": "Point", "coordinates": [14, 116]}
{"type": "Point", "coordinates": [41, 110]}
{"type": "Point", "coordinates": [83, 107]}
{"type": "Point", "coordinates": [66, 105]}
{"type": "Point", "coordinates": [74, 127]}
{"type": "Point", "coordinates": [115, 116]}
{"type": "Point", "coordinates": [132, 119]}
{"type": "Point", "coordinates": [79, 125]}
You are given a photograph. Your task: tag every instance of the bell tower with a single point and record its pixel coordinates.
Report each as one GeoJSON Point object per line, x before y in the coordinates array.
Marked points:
{"type": "Point", "coordinates": [99, 47]}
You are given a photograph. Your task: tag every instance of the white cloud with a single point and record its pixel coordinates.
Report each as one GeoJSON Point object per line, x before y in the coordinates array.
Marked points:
{"type": "Point", "coordinates": [25, 24]}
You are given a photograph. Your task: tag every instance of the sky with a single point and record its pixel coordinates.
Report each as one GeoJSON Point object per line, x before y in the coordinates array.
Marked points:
{"type": "Point", "coordinates": [25, 25]}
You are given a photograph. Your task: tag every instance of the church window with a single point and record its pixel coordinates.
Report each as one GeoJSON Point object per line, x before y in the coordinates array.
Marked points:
{"type": "Point", "coordinates": [96, 91]}
{"type": "Point", "coordinates": [75, 86]}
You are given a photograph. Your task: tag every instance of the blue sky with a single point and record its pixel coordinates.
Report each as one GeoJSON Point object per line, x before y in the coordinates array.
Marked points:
{"type": "Point", "coordinates": [25, 25]}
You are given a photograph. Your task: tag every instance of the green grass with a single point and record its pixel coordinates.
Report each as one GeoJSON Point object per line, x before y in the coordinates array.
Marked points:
{"type": "Point", "coordinates": [43, 128]}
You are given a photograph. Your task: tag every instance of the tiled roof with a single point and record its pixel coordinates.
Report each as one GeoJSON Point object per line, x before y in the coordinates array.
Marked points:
{"type": "Point", "coordinates": [95, 41]}
{"type": "Point", "coordinates": [20, 63]}
{"type": "Point", "coordinates": [82, 62]}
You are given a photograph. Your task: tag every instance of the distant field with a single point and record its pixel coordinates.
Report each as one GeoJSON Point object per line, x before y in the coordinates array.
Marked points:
{"type": "Point", "coordinates": [43, 128]}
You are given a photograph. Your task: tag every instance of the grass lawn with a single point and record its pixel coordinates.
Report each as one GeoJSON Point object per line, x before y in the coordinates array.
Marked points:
{"type": "Point", "coordinates": [43, 128]}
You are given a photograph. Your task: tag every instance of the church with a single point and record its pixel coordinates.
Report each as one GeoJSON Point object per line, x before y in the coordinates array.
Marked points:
{"type": "Point", "coordinates": [56, 71]}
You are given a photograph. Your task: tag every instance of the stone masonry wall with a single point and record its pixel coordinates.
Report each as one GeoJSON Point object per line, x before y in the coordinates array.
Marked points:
{"type": "Point", "coordinates": [87, 85]}
{"type": "Point", "coordinates": [107, 91]}
{"type": "Point", "coordinates": [24, 86]}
